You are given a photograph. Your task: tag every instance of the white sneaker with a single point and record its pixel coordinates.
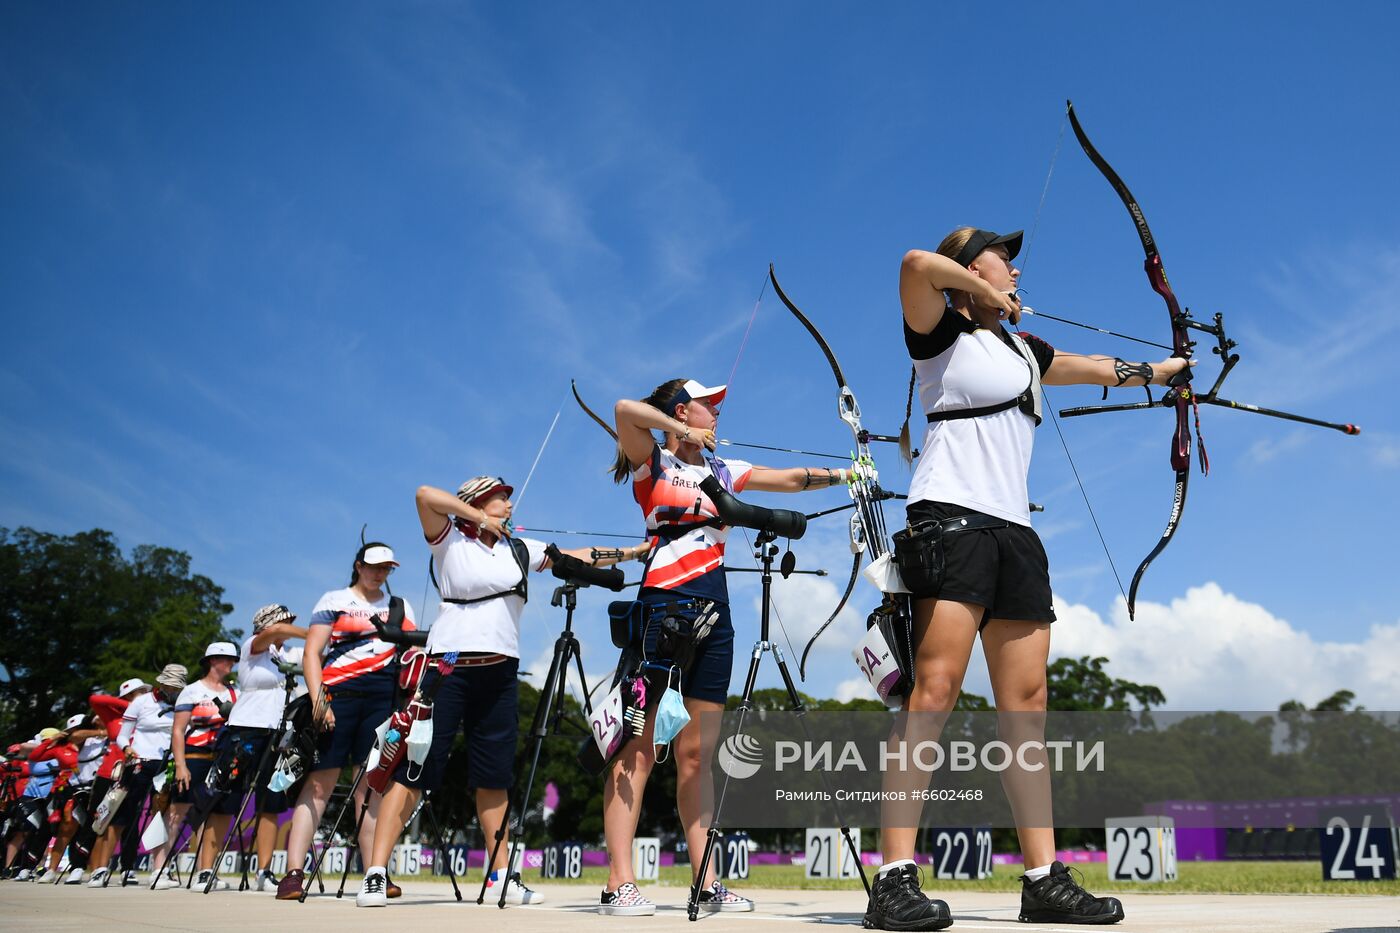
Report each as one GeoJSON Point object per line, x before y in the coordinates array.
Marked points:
{"type": "Point", "coordinates": [266, 881]}
{"type": "Point", "coordinates": [24, 875]}
{"type": "Point", "coordinates": [372, 892]}
{"type": "Point", "coordinates": [75, 876]}
{"type": "Point", "coordinates": [516, 892]}
{"type": "Point", "coordinates": [202, 880]}
{"type": "Point", "coordinates": [48, 877]}
{"type": "Point", "coordinates": [99, 878]}
{"type": "Point", "coordinates": [164, 882]}
{"type": "Point", "coordinates": [129, 879]}
{"type": "Point", "coordinates": [626, 901]}
{"type": "Point", "coordinates": [719, 898]}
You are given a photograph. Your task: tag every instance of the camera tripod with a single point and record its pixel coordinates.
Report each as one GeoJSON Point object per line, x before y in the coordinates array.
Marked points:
{"type": "Point", "coordinates": [764, 550]}
{"type": "Point", "coordinates": [548, 711]}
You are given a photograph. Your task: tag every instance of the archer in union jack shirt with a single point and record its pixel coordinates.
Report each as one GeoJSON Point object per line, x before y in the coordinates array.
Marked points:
{"type": "Point", "coordinates": [354, 650]}
{"type": "Point", "coordinates": [687, 561]}
{"type": "Point", "coordinates": [351, 675]}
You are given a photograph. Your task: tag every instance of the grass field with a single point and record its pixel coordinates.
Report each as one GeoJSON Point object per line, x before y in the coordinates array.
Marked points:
{"type": "Point", "coordinates": [1194, 878]}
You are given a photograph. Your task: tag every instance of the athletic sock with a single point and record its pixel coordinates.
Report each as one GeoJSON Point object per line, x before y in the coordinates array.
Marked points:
{"type": "Point", "coordinates": [1035, 874]}
{"type": "Point", "coordinates": [376, 870]}
{"type": "Point", "coordinates": [888, 867]}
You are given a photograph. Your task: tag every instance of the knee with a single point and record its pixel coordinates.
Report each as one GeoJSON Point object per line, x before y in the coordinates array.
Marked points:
{"type": "Point", "coordinates": [936, 690]}
{"type": "Point", "coordinates": [1023, 698]}
{"type": "Point", "coordinates": [689, 761]}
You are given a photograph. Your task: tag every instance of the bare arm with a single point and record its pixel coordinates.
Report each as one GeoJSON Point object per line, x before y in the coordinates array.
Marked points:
{"type": "Point", "coordinates": [437, 508]}
{"type": "Point", "coordinates": [316, 640]}
{"type": "Point", "coordinates": [273, 633]}
{"type": "Point", "coordinates": [1097, 370]}
{"type": "Point", "coordinates": [925, 276]}
{"type": "Point", "coordinates": [635, 422]}
{"type": "Point", "coordinates": [178, 725]}
{"type": "Point", "coordinates": [796, 479]}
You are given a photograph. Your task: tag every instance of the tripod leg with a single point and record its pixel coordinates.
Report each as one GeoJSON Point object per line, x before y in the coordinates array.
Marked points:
{"type": "Point", "coordinates": [539, 728]}
{"type": "Point", "coordinates": [176, 846]}
{"type": "Point", "coordinates": [318, 858]}
{"type": "Point", "coordinates": [442, 846]}
{"type": "Point", "coordinates": [198, 845]}
{"type": "Point", "coordinates": [713, 836]}
{"type": "Point", "coordinates": [801, 711]}
{"type": "Point", "coordinates": [235, 828]}
{"type": "Point", "coordinates": [582, 679]}
{"type": "Point", "coordinates": [359, 822]}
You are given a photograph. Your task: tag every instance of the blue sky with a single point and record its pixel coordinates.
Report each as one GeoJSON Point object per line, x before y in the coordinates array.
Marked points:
{"type": "Point", "coordinates": [263, 274]}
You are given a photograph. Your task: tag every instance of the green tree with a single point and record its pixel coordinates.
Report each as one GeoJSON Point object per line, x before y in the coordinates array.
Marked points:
{"type": "Point", "coordinates": [79, 613]}
{"type": "Point", "coordinates": [1079, 684]}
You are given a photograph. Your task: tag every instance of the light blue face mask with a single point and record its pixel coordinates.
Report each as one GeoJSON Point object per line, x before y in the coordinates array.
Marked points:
{"type": "Point", "coordinates": [280, 781]}
{"type": "Point", "coordinates": [671, 715]}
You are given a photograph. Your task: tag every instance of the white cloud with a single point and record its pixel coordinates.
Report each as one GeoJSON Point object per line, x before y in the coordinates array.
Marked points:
{"type": "Point", "coordinates": [857, 688]}
{"type": "Point", "coordinates": [1211, 650]}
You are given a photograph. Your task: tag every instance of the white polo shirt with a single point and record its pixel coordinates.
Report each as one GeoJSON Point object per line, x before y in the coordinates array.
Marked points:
{"type": "Point", "coordinates": [146, 726]}
{"type": "Point", "coordinates": [260, 688]}
{"type": "Point", "coordinates": [467, 569]}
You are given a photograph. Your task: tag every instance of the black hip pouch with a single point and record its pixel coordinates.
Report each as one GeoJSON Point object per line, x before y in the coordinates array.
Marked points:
{"type": "Point", "coordinates": [918, 552]}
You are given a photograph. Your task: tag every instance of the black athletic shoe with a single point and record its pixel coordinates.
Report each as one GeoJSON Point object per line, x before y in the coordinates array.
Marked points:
{"type": "Point", "coordinates": [898, 903]}
{"type": "Point", "coordinates": [1058, 898]}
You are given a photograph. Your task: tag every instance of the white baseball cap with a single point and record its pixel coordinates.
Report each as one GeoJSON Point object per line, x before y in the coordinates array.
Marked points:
{"type": "Point", "coordinates": [693, 390]}
{"type": "Point", "coordinates": [379, 554]}
{"type": "Point", "coordinates": [131, 686]}
{"type": "Point", "coordinates": [74, 722]}
{"type": "Point", "coordinates": [221, 649]}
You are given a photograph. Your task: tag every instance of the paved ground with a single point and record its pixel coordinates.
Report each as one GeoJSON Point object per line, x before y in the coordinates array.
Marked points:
{"type": "Point", "coordinates": [428, 906]}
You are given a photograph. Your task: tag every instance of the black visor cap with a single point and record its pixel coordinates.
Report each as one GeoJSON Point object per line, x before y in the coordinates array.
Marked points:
{"type": "Point", "coordinates": [984, 239]}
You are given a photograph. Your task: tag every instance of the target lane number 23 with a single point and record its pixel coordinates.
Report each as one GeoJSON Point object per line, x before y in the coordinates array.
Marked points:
{"type": "Point", "coordinates": [1141, 848]}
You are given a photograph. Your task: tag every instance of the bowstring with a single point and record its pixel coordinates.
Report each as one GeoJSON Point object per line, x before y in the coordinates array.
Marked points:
{"type": "Point", "coordinates": [729, 384]}
{"type": "Point", "coordinates": [1049, 408]}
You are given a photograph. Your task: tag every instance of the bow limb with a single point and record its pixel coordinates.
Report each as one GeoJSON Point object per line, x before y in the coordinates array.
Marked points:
{"type": "Point", "coordinates": [850, 588]}
{"type": "Point", "coordinates": [588, 411]}
{"type": "Point", "coordinates": [1183, 400]}
{"type": "Point", "coordinates": [867, 526]}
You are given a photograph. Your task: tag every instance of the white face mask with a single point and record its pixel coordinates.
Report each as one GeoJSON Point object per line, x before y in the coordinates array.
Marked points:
{"type": "Point", "coordinates": [420, 739]}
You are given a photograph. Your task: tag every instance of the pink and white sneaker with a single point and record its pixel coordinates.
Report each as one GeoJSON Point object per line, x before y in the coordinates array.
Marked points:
{"type": "Point", "coordinates": [718, 898]}
{"type": "Point", "coordinates": [626, 901]}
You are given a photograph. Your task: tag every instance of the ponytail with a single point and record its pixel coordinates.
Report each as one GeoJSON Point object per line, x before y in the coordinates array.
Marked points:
{"type": "Point", "coordinates": [905, 448]}
{"type": "Point", "coordinates": [621, 466]}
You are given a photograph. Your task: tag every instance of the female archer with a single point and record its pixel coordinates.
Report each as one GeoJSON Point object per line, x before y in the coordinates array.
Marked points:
{"type": "Point", "coordinates": [979, 390]}
{"type": "Point", "coordinates": [686, 569]}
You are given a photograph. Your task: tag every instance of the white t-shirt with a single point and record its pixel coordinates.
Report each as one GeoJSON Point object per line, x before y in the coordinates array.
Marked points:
{"type": "Point", "coordinates": [467, 569]}
{"type": "Point", "coordinates": [90, 756]}
{"type": "Point", "coordinates": [260, 688]}
{"type": "Point", "coordinates": [982, 462]}
{"type": "Point", "coordinates": [146, 726]}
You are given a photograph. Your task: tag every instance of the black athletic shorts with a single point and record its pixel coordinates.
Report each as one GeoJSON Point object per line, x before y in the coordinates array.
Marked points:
{"type": "Point", "coordinates": [1002, 569]}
